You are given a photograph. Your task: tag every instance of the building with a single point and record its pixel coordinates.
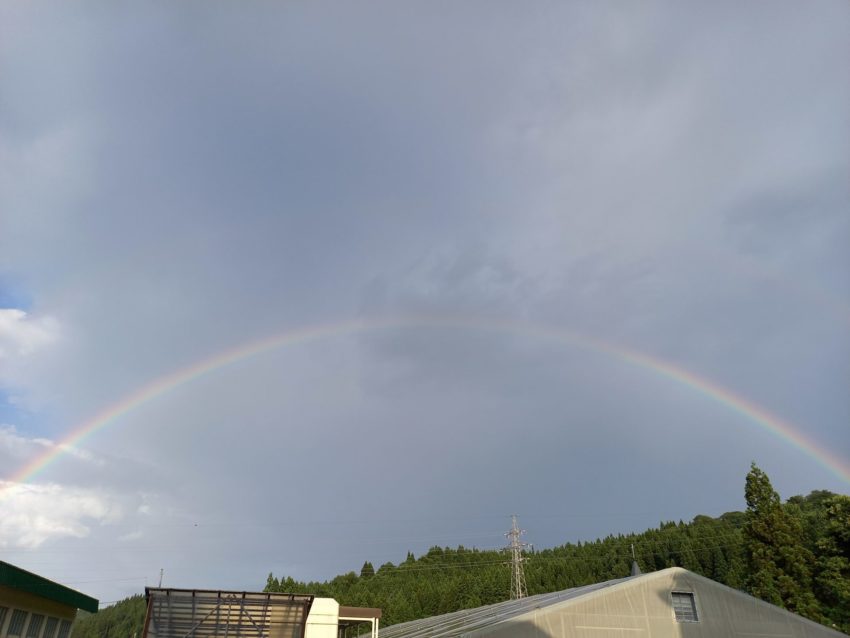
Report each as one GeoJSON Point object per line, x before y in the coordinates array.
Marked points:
{"type": "Point", "coordinates": [34, 607]}
{"type": "Point", "coordinates": [199, 613]}
{"type": "Point", "coordinates": [329, 619]}
{"type": "Point", "coordinates": [665, 604]}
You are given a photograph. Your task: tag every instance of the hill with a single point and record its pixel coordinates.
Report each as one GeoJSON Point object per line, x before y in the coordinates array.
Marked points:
{"type": "Point", "coordinates": [122, 620]}
{"type": "Point", "coordinates": [725, 549]}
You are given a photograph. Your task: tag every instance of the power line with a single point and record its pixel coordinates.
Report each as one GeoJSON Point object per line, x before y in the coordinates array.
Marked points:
{"type": "Point", "coordinates": [537, 558]}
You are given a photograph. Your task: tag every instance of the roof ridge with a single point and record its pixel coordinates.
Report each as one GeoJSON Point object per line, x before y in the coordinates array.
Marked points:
{"type": "Point", "coordinates": [485, 615]}
{"type": "Point", "coordinates": [32, 583]}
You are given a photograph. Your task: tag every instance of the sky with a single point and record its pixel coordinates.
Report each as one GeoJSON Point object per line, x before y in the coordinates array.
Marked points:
{"type": "Point", "coordinates": [329, 282]}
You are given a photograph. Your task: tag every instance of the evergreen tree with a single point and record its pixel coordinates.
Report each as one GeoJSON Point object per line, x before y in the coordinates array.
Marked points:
{"type": "Point", "coordinates": [764, 560]}
{"type": "Point", "coordinates": [122, 620]}
{"type": "Point", "coordinates": [367, 571]}
{"type": "Point", "coordinates": [832, 583]}
{"type": "Point", "coordinates": [779, 563]}
{"type": "Point", "coordinates": [272, 583]}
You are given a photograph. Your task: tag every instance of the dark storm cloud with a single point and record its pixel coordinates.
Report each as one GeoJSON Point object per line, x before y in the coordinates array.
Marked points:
{"type": "Point", "coordinates": [181, 180]}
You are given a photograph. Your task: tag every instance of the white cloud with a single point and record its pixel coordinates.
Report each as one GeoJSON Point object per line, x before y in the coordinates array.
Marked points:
{"type": "Point", "coordinates": [34, 514]}
{"type": "Point", "coordinates": [16, 446]}
{"type": "Point", "coordinates": [25, 339]}
{"type": "Point", "coordinates": [132, 536]}
{"type": "Point", "coordinates": [606, 178]}
{"type": "Point", "coordinates": [22, 334]}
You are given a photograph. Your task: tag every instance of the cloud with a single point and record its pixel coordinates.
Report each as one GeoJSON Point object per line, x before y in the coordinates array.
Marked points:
{"type": "Point", "coordinates": [23, 448]}
{"type": "Point", "coordinates": [22, 335]}
{"type": "Point", "coordinates": [131, 536]}
{"type": "Point", "coordinates": [655, 176]}
{"type": "Point", "coordinates": [27, 343]}
{"type": "Point", "coordinates": [35, 514]}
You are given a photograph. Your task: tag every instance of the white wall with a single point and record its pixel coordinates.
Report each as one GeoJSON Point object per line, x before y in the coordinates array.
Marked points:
{"type": "Point", "coordinates": [323, 620]}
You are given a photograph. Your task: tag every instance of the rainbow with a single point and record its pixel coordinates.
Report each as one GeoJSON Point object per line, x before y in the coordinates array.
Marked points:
{"type": "Point", "coordinates": [168, 383]}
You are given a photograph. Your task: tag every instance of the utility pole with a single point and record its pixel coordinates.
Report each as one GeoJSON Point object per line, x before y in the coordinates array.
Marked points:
{"type": "Point", "coordinates": [160, 577]}
{"type": "Point", "coordinates": [635, 567]}
{"type": "Point", "coordinates": [516, 547]}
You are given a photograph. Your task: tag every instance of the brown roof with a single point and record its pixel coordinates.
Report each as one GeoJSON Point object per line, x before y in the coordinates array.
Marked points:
{"type": "Point", "coordinates": [366, 613]}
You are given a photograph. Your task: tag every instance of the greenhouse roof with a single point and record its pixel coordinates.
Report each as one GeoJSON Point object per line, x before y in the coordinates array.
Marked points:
{"type": "Point", "coordinates": [201, 613]}
{"type": "Point", "coordinates": [468, 620]}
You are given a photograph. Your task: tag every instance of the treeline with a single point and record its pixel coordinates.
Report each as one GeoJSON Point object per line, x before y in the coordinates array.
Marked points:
{"type": "Point", "coordinates": [122, 620]}
{"type": "Point", "coordinates": [798, 553]}
{"type": "Point", "coordinates": [448, 579]}
{"type": "Point", "coordinates": [794, 554]}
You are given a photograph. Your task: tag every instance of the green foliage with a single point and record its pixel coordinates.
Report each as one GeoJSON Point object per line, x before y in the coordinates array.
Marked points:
{"type": "Point", "coordinates": [796, 555]}
{"type": "Point", "coordinates": [811, 532]}
{"type": "Point", "coordinates": [832, 579]}
{"type": "Point", "coordinates": [447, 579]}
{"type": "Point", "coordinates": [779, 564]}
{"type": "Point", "coordinates": [122, 620]}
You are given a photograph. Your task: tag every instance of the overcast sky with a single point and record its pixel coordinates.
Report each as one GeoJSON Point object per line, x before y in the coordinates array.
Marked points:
{"type": "Point", "coordinates": [178, 180]}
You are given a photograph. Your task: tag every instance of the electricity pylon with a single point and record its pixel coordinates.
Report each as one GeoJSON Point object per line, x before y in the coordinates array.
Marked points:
{"type": "Point", "coordinates": [516, 548]}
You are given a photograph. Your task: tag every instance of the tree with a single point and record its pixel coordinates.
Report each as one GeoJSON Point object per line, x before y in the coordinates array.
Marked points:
{"type": "Point", "coordinates": [272, 583]}
{"type": "Point", "coordinates": [779, 564]}
{"type": "Point", "coordinates": [367, 571]}
{"type": "Point", "coordinates": [125, 618]}
{"type": "Point", "coordinates": [833, 567]}
{"type": "Point", "coordinates": [765, 560]}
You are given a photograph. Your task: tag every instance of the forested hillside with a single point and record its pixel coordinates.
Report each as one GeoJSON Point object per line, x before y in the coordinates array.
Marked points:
{"type": "Point", "coordinates": [122, 620]}
{"type": "Point", "coordinates": [447, 579]}
{"type": "Point", "coordinates": [796, 555]}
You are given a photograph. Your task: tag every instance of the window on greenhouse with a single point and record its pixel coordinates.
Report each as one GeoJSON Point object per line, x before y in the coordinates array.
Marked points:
{"type": "Point", "coordinates": [685, 606]}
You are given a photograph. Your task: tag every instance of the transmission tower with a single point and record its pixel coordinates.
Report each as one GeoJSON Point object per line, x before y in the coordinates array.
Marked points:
{"type": "Point", "coordinates": [516, 548]}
